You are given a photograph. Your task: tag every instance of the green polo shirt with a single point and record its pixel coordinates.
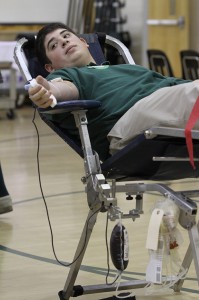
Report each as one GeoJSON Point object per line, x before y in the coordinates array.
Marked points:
{"type": "Point", "coordinates": [117, 87]}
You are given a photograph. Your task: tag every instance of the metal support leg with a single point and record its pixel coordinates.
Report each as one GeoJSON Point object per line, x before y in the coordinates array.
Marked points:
{"type": "Point", "coordinates": [81, 249]}
{"type": "Point", "coordinates": [192, 253]}
{"type": "Point", "coordinates": [194, 242]}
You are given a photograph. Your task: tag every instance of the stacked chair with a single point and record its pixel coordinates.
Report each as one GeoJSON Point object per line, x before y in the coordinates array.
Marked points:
{"type": "Point", "coordinates": [159, 62]}
{"type": "Point", "coordinates": [190, 64]}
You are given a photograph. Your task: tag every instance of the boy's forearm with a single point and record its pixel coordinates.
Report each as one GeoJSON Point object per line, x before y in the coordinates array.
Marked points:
{"type": "Point", "coordinates": [64, 90]}
{"type": "Point", "coordinates": [46, 93]}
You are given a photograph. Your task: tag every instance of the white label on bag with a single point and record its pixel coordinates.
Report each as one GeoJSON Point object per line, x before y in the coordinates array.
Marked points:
{"type": "Point", "coordinates": [154, 228]}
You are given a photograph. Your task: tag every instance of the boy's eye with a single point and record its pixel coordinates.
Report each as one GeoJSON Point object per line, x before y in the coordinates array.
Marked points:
{"type": "Point", "coordinates": [53, 46]}
{"type": "Point", "coordinates": [66, 35]}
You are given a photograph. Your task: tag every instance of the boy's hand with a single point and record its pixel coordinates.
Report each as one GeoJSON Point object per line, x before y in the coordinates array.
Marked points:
{"type": "Point", "coordinates": [40, 93]}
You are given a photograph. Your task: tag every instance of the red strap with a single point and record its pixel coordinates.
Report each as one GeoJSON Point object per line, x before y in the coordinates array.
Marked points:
{"type": "Point", "coordinates": [194, 116]}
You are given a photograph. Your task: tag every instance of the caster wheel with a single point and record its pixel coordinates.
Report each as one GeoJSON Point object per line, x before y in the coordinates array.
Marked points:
{"type": "Point", "coordinates": [10, 115]}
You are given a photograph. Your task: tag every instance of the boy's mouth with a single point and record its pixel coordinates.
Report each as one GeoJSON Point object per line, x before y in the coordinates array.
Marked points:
{"type": "Point", "coordinates": [70, 48]}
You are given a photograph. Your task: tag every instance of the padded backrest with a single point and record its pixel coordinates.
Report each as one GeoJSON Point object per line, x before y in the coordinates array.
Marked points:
{"type": "Point", "coordinates": [96, 43]}
{"type": "Point", "coordinates": [34, 65]}
{"type": "Point", "coordinates": [159, 62]}
{"type": "Point", "coordinates": [190, 64]}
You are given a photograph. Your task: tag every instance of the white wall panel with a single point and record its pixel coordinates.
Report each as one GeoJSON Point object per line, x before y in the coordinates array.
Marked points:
{"type": "Point", "coordinates": [36, 11]}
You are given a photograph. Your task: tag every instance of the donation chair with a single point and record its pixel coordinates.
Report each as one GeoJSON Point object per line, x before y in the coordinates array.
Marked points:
{"type": "Point", "coordinates": [157, 154]}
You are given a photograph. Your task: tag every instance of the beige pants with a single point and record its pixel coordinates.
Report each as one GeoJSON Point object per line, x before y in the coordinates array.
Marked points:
{"type": "Point", "coordinates": [169, 106]}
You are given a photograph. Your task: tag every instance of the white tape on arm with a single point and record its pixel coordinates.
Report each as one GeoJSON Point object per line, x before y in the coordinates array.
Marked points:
{"type": "Point", "coordinates": [33, 83]}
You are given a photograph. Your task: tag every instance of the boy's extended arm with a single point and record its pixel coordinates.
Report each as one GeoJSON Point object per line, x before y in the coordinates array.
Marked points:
{"type": "Point", "coordinates": [62, 90]}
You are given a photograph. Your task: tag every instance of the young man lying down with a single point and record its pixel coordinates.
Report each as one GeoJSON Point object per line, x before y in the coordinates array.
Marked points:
{"type": "Point", "coordinates": [133, 98]}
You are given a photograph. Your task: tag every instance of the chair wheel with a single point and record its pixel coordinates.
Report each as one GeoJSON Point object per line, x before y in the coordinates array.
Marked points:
{"type": "Point", "coordinates": [10, 114]}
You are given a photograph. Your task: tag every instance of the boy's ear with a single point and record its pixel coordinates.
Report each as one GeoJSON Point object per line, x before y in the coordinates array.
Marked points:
{"type": "Point", "coordinates": [84, 41]}
{"type": "Point", "coordinates": [49, 68]}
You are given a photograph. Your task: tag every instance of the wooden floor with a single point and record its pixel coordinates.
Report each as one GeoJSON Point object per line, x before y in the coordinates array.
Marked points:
{"type": "Point", "coordinates": [28, 268]}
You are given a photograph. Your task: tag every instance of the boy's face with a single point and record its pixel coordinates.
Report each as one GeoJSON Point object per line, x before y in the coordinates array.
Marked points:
{"type": "Point", "coordinates": [65, 49]}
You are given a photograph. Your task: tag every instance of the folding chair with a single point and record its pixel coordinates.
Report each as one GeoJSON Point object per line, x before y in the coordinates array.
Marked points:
{"type": "Point", "coordinates": [157, 154]}
{"type": "Point", "coordinates": [190, 64]}
{"type": "Point", "coordinates": [159, 62]}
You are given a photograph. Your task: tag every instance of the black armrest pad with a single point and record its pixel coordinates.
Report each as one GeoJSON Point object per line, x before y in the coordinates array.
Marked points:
{"type": "Point", "coordinates": [71, 105]}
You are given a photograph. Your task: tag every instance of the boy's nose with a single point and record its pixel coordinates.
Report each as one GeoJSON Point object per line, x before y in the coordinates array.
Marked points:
{"type": "Point", "coordinates": [64, 42]}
